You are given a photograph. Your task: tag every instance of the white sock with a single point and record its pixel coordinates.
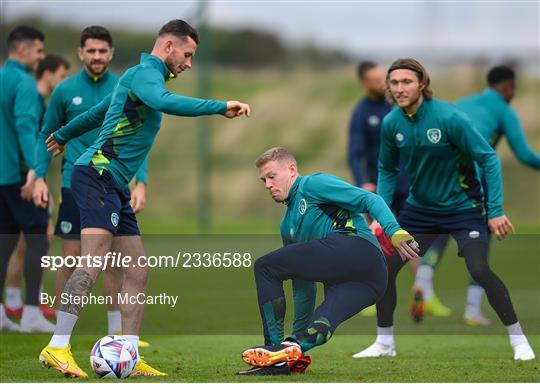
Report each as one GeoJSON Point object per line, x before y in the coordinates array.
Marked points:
{"type": "Point", "coordinates": [424, 280]}
{"type": "Point", "coordinates": [385, 335]}
{"type": "Point", "coordinates": [474, 301]}
{"type": "Point", "coordinates": [65, 322]}
{"type": "Point", "coordinates": [516, 334]}
{"type": "Point", "coordinates": [30, 313]}
{"type": "Point", "coordinates": [13, 297]}
{"type": "Point", "coordinates": [2, 312]}
{"type": "Point", "coordinates": [133, 339]}
{"type": "Point", "coordinates": [114, 321]}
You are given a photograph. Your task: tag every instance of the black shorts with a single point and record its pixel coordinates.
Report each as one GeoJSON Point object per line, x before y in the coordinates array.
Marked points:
{"type": "Point", "coordinates": [102, 202]}
{"type": "Point", "coordinates": [68, 225]}
{"type": "Point", "coordinates": [465, 226]}
{"type": "Point", "coordinates": [18, 215]}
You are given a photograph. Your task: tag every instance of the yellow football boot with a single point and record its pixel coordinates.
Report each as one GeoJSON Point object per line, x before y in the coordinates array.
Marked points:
{"type": "Point", "coordinates": [62, 360]}
{"type": "Point", "coordinates": [434, 307]}
{"type": "Point", "coordinates": [143, 369]}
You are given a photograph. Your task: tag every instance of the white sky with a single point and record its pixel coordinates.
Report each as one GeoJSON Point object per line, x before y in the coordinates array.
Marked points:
{"type": "Point", "coordinates": [488, 27]}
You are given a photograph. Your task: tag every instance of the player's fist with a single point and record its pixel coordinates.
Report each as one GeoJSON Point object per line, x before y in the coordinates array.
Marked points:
{"type": "Point", "coordinates": [41, 193]}
{"type": "Point", "coordinates": [28, 188]}
{"type": "Point", "coordinates": [53, 145]}
{"type": "Point", "coordinates": [138, 197]}
{"type": "Point", "coordinates": [405, 244]}
{"type": "Point", "coordinates": [500, 226]}
{"type": "Point", "coordinates": [236, 108]}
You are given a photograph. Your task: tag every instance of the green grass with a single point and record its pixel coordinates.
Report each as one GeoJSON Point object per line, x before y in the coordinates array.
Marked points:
{"type": "Point", "coordinates": [217, 317]}
{"type": "Point", "coordinates": [216, 359]}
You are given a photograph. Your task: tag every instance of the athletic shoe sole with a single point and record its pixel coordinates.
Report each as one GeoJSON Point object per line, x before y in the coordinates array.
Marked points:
{"type": "Point", "coordinates": [261, 357]}
{"type": "Point", "coordinates": [66, 374]}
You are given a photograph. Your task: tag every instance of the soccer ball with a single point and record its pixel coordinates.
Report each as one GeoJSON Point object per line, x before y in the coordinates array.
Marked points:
{"type": "Point", "coordinates": [113, 357]}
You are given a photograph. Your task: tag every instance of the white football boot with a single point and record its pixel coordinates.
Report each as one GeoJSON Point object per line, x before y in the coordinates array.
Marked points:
{"type": "Point", "coordinates": [5, 323]}
{"type": "Point", "coordinates": [523, 352]}
{"type": "Point", "coordinates": [33, 321]}
{"type": "Point", "coordinates": [377, 350]}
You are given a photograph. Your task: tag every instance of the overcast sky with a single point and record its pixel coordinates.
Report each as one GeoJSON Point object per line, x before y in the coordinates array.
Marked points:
{"type": "Point", "coordinates": [487, 27]}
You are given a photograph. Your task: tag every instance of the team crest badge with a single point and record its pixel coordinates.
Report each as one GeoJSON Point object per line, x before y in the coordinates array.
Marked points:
{"type": "Point", "coordinates": [399, 137]}
{"type": "Point", "coordinates": [65, 227]}
{"type": "Point", "coordinates": [303, 206]}
{"type": "Point", "coordinates": [77, 100]}
{"type": "Point", "coordinates": [434, 135]}
{"type": "Point", "coordinates": [114, 219]}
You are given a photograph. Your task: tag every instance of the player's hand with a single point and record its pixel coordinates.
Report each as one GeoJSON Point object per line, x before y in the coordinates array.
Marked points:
{"type": "Point", "coordinates": [406, 246]}
{"type": "Point", "coordinates": [28, 188]}
{"type": "Point", "coordinates": [370, 187]}
{"type": "Point", "coordinates": [236, 108]}
{"type": "Point", "coordinates": [41, 193]}
{"type": "Point", "coordinates": [138, 197]}
{"type": "Point", "coordinates": [53, 145]}
{"type": "Point", "coordinates": [500, 226]}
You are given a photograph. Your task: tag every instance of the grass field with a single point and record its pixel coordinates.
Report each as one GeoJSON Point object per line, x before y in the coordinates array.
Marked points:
{"type": "Point", "coordinates": [217, 317]}
{"type": "Point", "coordinates": [216, 359]}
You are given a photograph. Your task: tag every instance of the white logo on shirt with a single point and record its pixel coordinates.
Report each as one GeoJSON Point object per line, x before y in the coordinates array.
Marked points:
{"type": "Point", "coordinates": [399, 137]}
{"type": "Point", "coordinates": [474, 234]}
{"type": "Point", "coordinates": [303, 206]}
{"type": "Point", "coordinates": [373, 120]}
{"type": "Point", "coordinates": [77, 100]}
{"type": "Point", "coordinates": [434, 135]}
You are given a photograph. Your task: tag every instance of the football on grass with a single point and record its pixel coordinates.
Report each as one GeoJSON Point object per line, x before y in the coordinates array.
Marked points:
{"type": "Point", "coordinates": [113, 357]}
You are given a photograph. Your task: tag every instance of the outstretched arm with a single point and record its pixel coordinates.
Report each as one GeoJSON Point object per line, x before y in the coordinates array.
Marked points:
{"type": "Point", "coordinates": [149, 86]}
{"type": "Point", "coordinates": [83, 123]}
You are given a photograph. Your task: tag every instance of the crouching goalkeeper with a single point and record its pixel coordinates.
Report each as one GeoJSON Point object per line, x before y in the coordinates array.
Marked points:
{"type": "Point", "coordinates": [327, 240]}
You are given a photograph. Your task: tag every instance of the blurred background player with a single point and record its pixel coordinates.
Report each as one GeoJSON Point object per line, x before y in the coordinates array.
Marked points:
{"type": "Point", "coordinates": [130, 119]}
{"type": "Point", "coordinates": [19, 125]}
{"type": "Point", "coordinates": [494, 118]}
{"type": "Point", "coordinates": [52, 70]}
{"type": "Point", "coordinates": [323, 228]}
{"type": "Point", "coordinates": [441, 150]}
{"type": "Point", "coordinates": [74, 96]}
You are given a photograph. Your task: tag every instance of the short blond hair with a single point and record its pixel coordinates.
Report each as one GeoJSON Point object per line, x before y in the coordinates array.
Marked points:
{"type": "Point", "coordinates": [275, 154]}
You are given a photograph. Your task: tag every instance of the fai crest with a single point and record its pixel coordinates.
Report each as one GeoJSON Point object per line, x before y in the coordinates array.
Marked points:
{"type": "Point", "coordinates": [77, 100]}
{"type": "Point", "coordinates": [114, 219]}
{"type": "Point", "coordinates": [65, 227]}
{"type": "Point", "coordinates": [434, 135]}
{"type": "Point", "coordinates": [303, 206]}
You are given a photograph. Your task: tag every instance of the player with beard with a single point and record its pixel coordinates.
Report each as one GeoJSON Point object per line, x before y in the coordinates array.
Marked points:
{"type": "Point", "coordinates": [130, 119]}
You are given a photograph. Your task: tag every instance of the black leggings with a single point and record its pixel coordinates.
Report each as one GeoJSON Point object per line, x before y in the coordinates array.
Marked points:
{"type": "Point", "coordinates": [476, 260]}
{"type": "Point", "coordinates": [352, 270]}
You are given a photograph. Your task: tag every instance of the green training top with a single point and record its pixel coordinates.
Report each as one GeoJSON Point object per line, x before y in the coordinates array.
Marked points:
{"type": "Point", "coordinates": [493, 117]}
{"type": "Point", "coordinates": [133, 118]}
{"type": "Point", "coordinates": [321, 204]}
{"type": "Point", "coordinates": [19, 121]}
{"type": "Point", "coordinates": [440, 147]}
{"type": "Point", "coordinates": [71, 98]}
